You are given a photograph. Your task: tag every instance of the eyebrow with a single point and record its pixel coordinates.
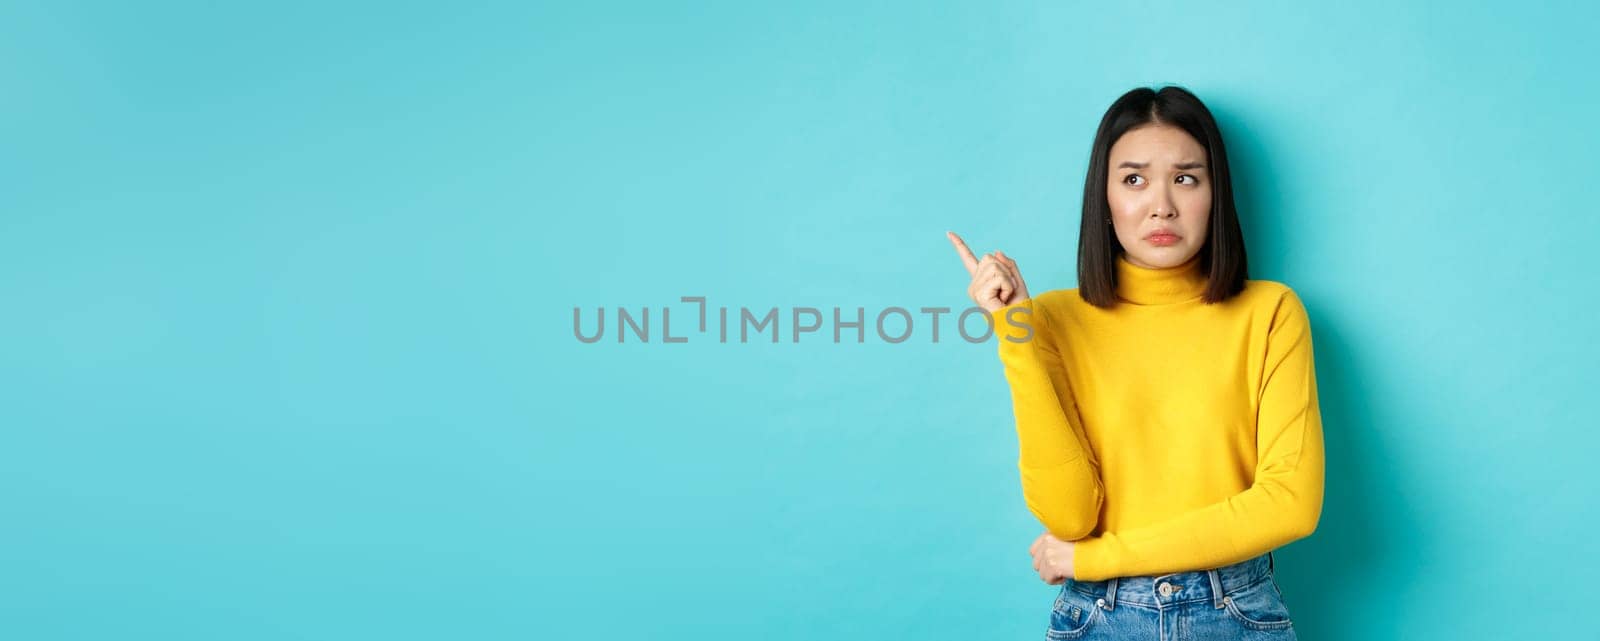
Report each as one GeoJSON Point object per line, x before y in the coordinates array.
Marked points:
{"type": "Point", "coordinates": [1141, 165]}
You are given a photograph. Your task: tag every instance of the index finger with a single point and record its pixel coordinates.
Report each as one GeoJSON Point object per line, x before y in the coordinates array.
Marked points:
{"type": "Point", "coordinates": [966, 254]}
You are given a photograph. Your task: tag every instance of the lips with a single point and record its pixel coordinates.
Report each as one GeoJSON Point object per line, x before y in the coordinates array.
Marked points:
{"type": "Point", "coordinates": [1161, 238]}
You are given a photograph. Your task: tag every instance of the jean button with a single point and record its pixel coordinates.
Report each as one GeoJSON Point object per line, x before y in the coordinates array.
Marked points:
{"type": "Point", "coordinates": [1165, 588]}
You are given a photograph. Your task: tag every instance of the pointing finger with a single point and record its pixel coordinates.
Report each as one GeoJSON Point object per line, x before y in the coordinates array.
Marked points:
{"type": "Point", "coordinates": [967, 258]}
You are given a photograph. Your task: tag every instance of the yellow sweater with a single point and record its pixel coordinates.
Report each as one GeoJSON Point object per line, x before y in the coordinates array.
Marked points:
{"type": "Point", "coordinates": [1165, 434]}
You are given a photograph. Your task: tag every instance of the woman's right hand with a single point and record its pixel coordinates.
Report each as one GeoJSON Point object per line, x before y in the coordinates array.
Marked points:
{"type": "Point", "coordinates": [996, 281]}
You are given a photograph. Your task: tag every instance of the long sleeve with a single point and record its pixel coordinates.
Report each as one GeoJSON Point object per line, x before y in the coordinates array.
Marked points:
{"type": "Point", "coordinates": [1060, 478]}
{"type": "Point", "coordinates": [1284, 502]}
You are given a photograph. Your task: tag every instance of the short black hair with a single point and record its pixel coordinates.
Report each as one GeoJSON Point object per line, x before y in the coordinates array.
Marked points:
{"type": "Point", "coordinates": [1222, 257]}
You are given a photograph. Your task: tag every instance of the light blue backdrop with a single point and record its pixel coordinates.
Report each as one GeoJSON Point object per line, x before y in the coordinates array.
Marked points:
{"type": "Point", "coordinates": [288, 290]}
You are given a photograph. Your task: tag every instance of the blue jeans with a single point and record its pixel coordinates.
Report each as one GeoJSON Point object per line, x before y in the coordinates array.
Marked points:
{"type": "Point", "coordinates": [1239, 601]}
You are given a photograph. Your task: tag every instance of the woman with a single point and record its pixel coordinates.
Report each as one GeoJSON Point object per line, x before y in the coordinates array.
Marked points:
{"type": "Point", "coordinates": [1167, 407]}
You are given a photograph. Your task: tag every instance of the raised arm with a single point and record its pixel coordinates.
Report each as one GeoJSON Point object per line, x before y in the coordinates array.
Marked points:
{"type": "Point", "coordinates": [1060, 478]}
{"type": "Point", "coordinates": [1283, 504]}
{"type": "Point", "coordinates": [1060, 475]}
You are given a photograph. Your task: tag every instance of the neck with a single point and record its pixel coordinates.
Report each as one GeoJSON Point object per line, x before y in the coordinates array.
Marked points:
{"type": "Point", "coordinates": [1159, 286]}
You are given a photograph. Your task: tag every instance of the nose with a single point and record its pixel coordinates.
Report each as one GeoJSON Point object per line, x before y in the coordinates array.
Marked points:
{"type": "Point", "coordinates": [1164, 207]}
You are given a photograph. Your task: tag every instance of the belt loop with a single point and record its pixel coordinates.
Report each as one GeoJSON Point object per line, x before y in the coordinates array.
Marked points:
{"type": "Point", "coordinates": [1111, 593]}
{"type": "Point", "coordinates": [1271, 565]}
{"type": "Point", "coordinates": [1216, 588]}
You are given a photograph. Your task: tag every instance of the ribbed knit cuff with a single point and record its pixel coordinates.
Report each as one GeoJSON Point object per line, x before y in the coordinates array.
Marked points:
{"type": "Point", "coordinates": [1091, 559]}
{"type": "Point", "coordinates": [1023, 326]}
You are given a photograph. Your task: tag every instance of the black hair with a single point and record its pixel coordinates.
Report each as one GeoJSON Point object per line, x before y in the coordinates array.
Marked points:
{"type": "Point", "coordinates": [1222, 256]}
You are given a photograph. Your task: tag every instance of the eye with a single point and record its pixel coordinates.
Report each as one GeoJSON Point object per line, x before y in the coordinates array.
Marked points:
{"type": "Point", "coordinates": [1132, 177]}
{"type": "Point", "coordinates": [1193, 180]}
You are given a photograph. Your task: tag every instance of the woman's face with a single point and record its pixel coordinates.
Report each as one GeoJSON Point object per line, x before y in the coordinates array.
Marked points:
{"type": "Point", "coordinates": [1159, 183]}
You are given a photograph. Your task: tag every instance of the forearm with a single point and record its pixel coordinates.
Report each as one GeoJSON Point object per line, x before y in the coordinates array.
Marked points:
{"type": "Point", "coordinates": [1060, 478]}
{"type": "Point", "coordinates": [1249, 524]}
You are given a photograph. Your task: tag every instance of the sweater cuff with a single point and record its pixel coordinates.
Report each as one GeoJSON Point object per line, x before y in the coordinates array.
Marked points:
{"type": "Point", "coordinates": [1091, 559]}
{"type": "Point", "coordinates": [1021, 328]}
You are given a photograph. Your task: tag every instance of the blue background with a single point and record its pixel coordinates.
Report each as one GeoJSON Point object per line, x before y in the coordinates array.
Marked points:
{"type": "Point", "coordinates": [288, 288]}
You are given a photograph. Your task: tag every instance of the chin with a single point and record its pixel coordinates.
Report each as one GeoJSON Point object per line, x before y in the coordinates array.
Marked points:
{"type": "Point", "coordinates": [1163, 257]}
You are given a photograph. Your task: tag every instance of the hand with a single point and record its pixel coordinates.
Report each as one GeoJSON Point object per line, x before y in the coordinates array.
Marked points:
{"type": "Point", "coordinates": [996, 281]}
{"type": "Point", "coordinates": [1052, 558]}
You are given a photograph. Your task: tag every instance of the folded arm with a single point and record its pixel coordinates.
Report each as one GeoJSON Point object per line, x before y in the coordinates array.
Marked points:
{"type": "Point", "coordinates": [1283, 504]}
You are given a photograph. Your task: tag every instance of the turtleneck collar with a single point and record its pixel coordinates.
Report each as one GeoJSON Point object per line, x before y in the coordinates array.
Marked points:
{"type": "Point", "coordinates": [1146, 286]}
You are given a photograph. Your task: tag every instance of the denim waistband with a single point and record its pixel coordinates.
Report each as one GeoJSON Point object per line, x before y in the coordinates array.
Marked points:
{"type": "Point", "coordinates": [1180, 587]}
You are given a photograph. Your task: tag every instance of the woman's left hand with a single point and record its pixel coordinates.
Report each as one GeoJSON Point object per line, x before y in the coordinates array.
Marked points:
{"type": "Point", "coordinates": [1052, 558]}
